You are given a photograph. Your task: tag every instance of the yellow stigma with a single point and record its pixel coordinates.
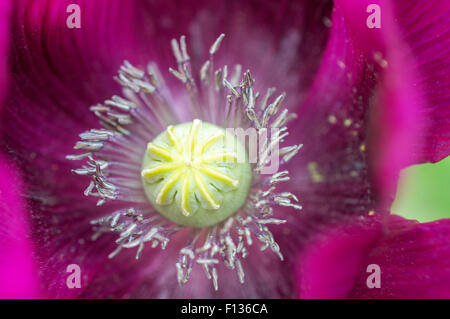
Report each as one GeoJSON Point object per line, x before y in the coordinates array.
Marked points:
{"type": "Point", "coordinates": [192, 174]}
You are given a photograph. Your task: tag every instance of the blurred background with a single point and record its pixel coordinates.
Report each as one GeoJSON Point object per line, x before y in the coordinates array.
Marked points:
{"type": "Point", "coordinates": [424, 192]}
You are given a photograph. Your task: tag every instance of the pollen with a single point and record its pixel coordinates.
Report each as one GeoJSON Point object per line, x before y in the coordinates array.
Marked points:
{"type": "Point", "coordinates": [332, 119]}
{"type": "Point", "coordinates": [314, 171]}
{"type": "Point", "coordinates": [347, 122]}
{"type": "Point", "coordinates": [195, 174]}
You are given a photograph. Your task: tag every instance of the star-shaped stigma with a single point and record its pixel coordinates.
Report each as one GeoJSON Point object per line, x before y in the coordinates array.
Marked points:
{"type": "Point", "coordinates": [192, 167]}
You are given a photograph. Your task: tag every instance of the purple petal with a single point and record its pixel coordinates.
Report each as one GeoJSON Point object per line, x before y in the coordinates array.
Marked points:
{"type": "Point", "coordinates": [57, 73]}
{"type": "Point", "coordinates": [411, 257]}
{"type": "Point", "coordinates": [281, 43]}
{"type": "Point", "coordinates": [331, 172]}
{"type": "Point", "coordinates": [413, 104]}
{"type": "Point", "coordinates": [329, 264]}
{"type": "Point", "coordinates": [153, 276]}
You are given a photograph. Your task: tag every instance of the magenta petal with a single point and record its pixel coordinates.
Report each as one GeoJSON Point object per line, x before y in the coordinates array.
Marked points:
{"type": "Point", "coordinates": [329, 264]}
{"type": "Point", "coordinates": [331, 172]}
{"type": "Point", "coordinates": [56, 74]}
{"type": "Point", "coordinates": [412, 106]}
{"type": "Point", "coordinates": [5, 9]}
{"type": "Point", "coordinates": [18, 274]}
{"type": "Point", "coordinates": [413, 259]}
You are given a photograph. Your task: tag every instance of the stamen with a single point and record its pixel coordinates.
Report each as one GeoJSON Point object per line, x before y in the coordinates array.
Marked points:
{"type": "Point", "coordinates": [215, 47]}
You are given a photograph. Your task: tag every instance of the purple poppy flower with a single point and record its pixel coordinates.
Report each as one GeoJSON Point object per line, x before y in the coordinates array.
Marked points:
{"type": "Point", "coordinates": [367, 103]}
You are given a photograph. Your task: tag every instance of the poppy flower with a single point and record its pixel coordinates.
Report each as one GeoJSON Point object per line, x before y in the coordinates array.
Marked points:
{"type": "Point", "coordinates": [164, 208]}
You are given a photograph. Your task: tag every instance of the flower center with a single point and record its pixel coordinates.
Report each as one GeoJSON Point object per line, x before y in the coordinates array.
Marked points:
{"type": "Point", "coordinates": [196, 174]}
{"type": "Point", "coordinates": [193, 174]}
